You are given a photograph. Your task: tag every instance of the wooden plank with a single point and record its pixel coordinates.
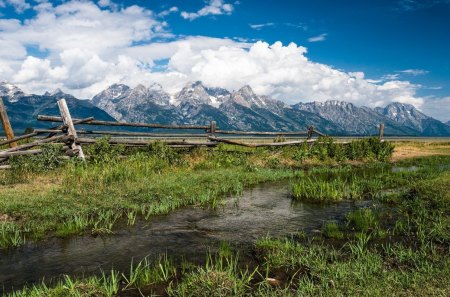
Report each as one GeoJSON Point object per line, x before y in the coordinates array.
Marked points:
{"type": "Point", "coordinates": [286, 143]}
{"type": "Point", "coordinates": [123, 124]}
{"type": "Point", "coordinates": [58, 138]}
{"type": "Point", "coordinates": [231, 141]}
{"type": "Point", "coordinates": [260, 133]}
{"type": "Point", "coordinates": [43, 131]}
{"type": "Point", "coordinates": [139, 142]}
{"type": "Point", "coordinates": [26, 136]}
{"type": "Point", "coordinates": [53, 131]}
{"type": "Point", "coordinates": [62, 127]}
{"type": "Point", "coordinates": [67, 120]}
{"type": "Point", "coordinates": [6, 124]}
{"type": "Point", "coordinates": [319, 133]}
{"type": "Point", "coordinates": [19, 153]}
{"type": "Point", "coordinates": [3, 167]}
{"type": "Point", "coordinates": [139, 134]}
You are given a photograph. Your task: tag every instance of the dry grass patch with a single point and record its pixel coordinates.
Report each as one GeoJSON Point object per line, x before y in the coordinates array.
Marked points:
{"type": "Point", "coordinates": [407, 150]}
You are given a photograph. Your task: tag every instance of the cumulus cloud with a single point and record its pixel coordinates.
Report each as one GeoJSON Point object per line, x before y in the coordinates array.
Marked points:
{"type": "Point", "coordinates": [318, 38]}
{"type": "Point", "coordinates": [213, 7]}
{"type": "Point", "coordinates": [285, 72]}
{"type": "Point", "coordinates": [86, 47]}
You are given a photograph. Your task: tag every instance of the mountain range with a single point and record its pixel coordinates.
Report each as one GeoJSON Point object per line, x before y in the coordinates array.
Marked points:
{"type": "Point", "coordinates": [237, 110]}
{"type": "Point", "coordinates": [23, 108]}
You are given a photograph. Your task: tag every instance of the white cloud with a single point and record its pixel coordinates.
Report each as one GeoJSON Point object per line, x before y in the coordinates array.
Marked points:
{"type": "Point", "coordinates": [260, 26]}
{"type": "Point", "coordinates": [168, 11]}
{"type": "Point", "coordinates": [414, 72]}
{"type": "Point", "coordinates": [213, 7]}
{"type": "Point", "coordinates": [318, 38]}
{"type": "Point", "coordinates": [19, 5]}
{"type": "Point", "coordinates": [85, 48]}
{"type": "Point", "coordinates": [392, 76]}
{"type": "Point", "coordinates": [439, 108]}
{"type": "Point", "coordinates": [284, 72]}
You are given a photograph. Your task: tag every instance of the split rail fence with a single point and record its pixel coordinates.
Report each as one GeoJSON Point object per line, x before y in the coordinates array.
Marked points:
{"type": "Point", "coordinates": [73, 140]}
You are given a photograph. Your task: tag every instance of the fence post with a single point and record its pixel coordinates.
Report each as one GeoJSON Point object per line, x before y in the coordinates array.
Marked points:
{"type": "Point", "coordinates": [6, 124]}
{"type": "Point", "coordinates": [381, 132]}
{"type": "Point", "coordinates": [67, 120]}
{"type": "Point", "coordinates": [310, 132]}
{"type": "Point", "coordinates": [212, 128]}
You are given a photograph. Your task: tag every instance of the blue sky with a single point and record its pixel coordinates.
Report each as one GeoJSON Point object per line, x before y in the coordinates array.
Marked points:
{"type": "Point", "coordinates": [401, 47]}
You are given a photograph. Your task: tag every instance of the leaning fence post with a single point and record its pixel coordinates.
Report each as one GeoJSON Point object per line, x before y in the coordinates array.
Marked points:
{"type": "Point", "coordinates": [6, 124]}
{"type": "Point", "coordinates": [381, 132]}
{"type": "Point", "coordinates": [67, 120]}
{"type": "Point", "coordinates": [212, 128]}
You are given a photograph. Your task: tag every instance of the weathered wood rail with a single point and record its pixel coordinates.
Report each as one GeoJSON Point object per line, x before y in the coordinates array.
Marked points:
{"type": "Point", "coordinates": [69, 136]}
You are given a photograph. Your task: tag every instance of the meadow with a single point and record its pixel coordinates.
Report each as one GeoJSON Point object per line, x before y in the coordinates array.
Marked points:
{"type": "Point", "coordinates": [398, 245]}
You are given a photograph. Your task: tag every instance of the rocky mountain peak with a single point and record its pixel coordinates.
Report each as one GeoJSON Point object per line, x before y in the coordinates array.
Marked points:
{"type": "Point", "coordinates": [140, 91]}
{"type": "Point", "coordinates": [11, 91]}
{"type": "Point", "coordinates": [246, 97]}
{"type": "Point", "coordinates": [194, 93]}
{"type": "Point", "coordinates": [246, 91]}
{"type": "Point", "coordinates": [56, 92]}
{"type": "Point", "coordinates": [403, 113]}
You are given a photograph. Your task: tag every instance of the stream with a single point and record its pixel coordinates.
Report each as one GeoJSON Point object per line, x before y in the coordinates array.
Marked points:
{"type": "Point", "coordinates": [190, 232]}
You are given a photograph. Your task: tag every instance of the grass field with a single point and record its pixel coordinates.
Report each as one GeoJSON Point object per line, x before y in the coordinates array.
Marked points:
{"type": "Point", "coordinates": [399, 245]}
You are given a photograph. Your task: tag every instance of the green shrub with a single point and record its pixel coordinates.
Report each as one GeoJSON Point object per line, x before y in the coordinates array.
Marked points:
{"type": "Point", "coordinates": [48, 159]}
{"type": "Point", "coordinates": [103, 152]}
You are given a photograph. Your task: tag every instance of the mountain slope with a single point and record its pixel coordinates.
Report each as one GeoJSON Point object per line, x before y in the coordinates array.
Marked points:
{"type": "Point", "coordinates": [23, 109]}
{"type": "Point", "coordinates": [408, 116]}
{"type": "Point", "coordinates": [354, 120]}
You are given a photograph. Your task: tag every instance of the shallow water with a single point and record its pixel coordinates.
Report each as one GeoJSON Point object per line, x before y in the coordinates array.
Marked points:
{"type": "Point", "coordinates": [189, 232]}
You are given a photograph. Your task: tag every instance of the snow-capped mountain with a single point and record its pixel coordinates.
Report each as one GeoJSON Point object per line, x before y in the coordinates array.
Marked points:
{"type": "Point", "coordinates": [354, 119]}
{"type": "Point", "coordinates": [139, 104]}
{"type": "Point", "coordinates": [23, 108]}
{"type": "Point", "coordinates": [196, 94]}
{"type": "Point", "coordinates": [245, 110]}
{"type": "Point", "coordinates": [10, 91]}
{"type": "Point", "coordinates": [408, 116]}
{"type": "Point", "coordinates": [241, 110]}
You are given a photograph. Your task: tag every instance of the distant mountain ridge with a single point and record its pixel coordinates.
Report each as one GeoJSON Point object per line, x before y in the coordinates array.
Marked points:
{"type": "Point", "coordinates": [23, 108]}
{"type": "Point", "coordinates": [244, 110]}
{"type": "Point", "coordinates": [239, 110]}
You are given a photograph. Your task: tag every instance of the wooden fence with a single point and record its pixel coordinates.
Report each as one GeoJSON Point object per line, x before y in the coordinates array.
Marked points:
{"type": "Point", "coordinates": [73, 139]}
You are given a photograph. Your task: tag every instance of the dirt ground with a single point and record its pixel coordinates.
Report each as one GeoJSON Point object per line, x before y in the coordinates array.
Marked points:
{"type": "Point", "coordinates": [405, 150]}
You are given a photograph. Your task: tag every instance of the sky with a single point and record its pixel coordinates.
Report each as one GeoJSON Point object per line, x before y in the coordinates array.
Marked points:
{"type": "Point", "coordinates": [369, 53]}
